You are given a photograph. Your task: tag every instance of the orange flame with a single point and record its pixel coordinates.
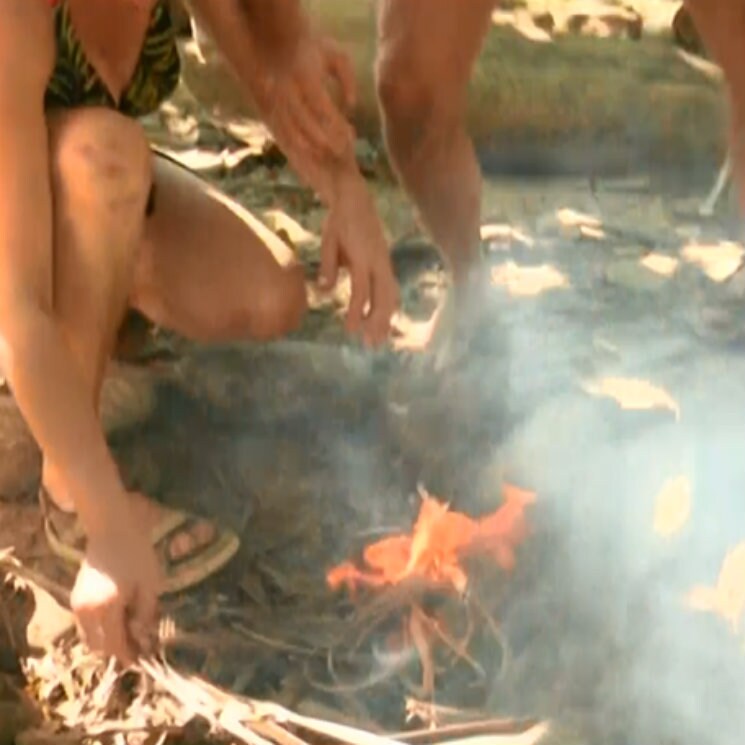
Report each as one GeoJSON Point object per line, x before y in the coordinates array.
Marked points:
{"type": "Point", "coordinates": [439, 539]}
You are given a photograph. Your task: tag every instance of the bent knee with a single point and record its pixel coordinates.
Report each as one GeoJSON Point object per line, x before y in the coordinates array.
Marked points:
{"type": "Point", "coordinates": [269, 312]}
{"type": "Point", "coordinates": [100, 156]}
{"type": "Point", "coordinates": [280, 308]}
{"type": "Point", "coordinates": [416, 105]}
{"type": "Point", "coordinates": [403, 91]}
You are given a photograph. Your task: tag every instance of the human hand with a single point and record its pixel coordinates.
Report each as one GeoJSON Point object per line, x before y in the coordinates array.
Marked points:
{"type": "Point", "coordinates": [292, 91]}
{"type": "Point", "coordinates": [353, 237]}
{"type": "Point", "coordinates": [115, 596]}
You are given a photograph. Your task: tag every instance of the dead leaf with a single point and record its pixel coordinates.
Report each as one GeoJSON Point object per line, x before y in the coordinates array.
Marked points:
{"type": "Point", "coordinates": [661, 264]}
{"type": "Point", "coordinates": [568, 223]}
{"type": "Point", "coordinates": [590, 232]}
{"type": "Point", "coordinates": [672, 506]}
{"type": "Point", "coordinates": [528, 281]}
{"type": "Point", "coordinates": [503, 234]}
{"type": "Point", "coordinates": [727, 597]}
{"type": "Point", "coordinates": [718, 261]}
{"type": "Point", "coordinates": [633, 394]}
{"type": "Point", "coordinates": [572, 219]}
{"type": "Point", "coordinates": [279, 221]}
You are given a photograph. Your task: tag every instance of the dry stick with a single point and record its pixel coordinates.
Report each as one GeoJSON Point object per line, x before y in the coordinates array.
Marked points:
{"type": "Point", "coordinates": [497, 633]}
{"type": "Point", "coordinates": [112, 727]}
{"type": "Point", "coordinates": [210, 700]}
{"type": "Point", "coordinates": [221, 711]}
{"type": "Point", "coordinates": [277, 644]}
{"type": "Point", "coordinates": [10, 565]}
{"type": "Point", "coordinates": [370, 681]}
{"type": "Point", "coordinates": [200, 702]}
{"type": "Point", "coordinates": [467, 729]}
{"type": "Point", "coordinates": [459, 647]}
{"type": "Point", "coordinates": [198, 699]}
{"type": "Point", "coordinates": [8, 625]}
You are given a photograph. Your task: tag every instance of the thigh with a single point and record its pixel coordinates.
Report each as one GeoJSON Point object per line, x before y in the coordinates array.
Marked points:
{"type": "Point", "coordinates": [438, 39]}
{"type": "Point", "coordinates": [206, 265]}
{"type": "Point", "coordinates": [100, 179]}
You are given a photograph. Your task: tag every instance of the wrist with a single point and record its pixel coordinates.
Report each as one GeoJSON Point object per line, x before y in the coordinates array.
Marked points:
{"type": "Point", "coordinates": [101, 502]}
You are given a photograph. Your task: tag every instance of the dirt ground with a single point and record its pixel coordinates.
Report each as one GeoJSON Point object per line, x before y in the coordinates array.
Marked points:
{"type": "Point", "coordinates": [605, 376]}
{"type": "Point", "coordinates": [608, 380]}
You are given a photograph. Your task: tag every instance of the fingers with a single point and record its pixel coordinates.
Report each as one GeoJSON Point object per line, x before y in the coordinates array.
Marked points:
{"type": "Point", "coordinates": [359, 302]}
{"type": "Point", "coordinates": [143, 619]}
{"type": "Point", "coordinates": [340, 68]}
{"type": "Point", "coordinates": [329, 270]}
{"type": "Point", "coordinates": [104, 630]}
{"type": "Point", "coordinates": [384, 303]}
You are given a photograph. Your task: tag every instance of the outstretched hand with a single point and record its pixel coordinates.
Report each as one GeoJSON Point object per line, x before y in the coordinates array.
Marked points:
{"type": "Point", "coordinates": [310, 127]}
{"type": "Point", "coordinates": [293, 94]}
{"type": "Point", "coordinates": [353, 237]}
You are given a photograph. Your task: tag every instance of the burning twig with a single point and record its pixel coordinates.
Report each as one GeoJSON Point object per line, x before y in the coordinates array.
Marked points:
{"type": "Point", "coordinates": [439, 539]}
{"type": "Point", "coordinates": [429, 560]}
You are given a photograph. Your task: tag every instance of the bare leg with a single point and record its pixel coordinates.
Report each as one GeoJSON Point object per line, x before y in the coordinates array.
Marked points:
{"type": "Point", "coordinates": [100, 180]}
{"type": "Point", "coordinates": [206, 269]}
{"type": "Point", "coordinates": [721, 24]}
{"type": "Point", "coordinates": [427, 50]}
{"type": "Point", "coordinates": [194, 264]}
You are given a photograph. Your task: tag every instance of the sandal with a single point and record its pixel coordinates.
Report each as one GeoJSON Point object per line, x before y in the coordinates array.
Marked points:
{"type": "Point", "coordinates": [67, 541]}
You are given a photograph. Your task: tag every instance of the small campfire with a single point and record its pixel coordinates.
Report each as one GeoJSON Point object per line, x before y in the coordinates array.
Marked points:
{"type": "Point", "coordinates": [424, 570]}
{"type": "Point", "coordinates": [438, 543]}
{"type": "Point", "coordinates": [414, 605]}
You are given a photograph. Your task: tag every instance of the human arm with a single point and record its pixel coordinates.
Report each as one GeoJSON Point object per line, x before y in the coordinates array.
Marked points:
{"type": "Point", "coordinates": [285, 69]}
{"type": "Point", "coordinates": [35, 355]}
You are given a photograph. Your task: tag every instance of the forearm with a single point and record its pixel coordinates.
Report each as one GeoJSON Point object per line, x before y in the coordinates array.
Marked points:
{"type": "Point", "coordinates": [274, 25]}
{"type": "Point", "coordinates": [242, 31]}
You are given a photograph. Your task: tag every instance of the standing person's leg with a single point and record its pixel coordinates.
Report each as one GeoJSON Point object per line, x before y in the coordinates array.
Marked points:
{"type": "Point", "coordinates": [427, 50]}
{"type": "Point", "coordinates": [721, 25]}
